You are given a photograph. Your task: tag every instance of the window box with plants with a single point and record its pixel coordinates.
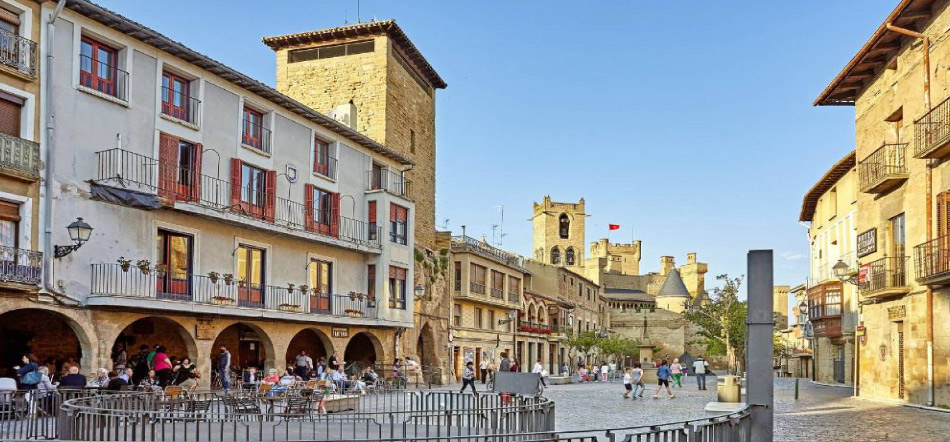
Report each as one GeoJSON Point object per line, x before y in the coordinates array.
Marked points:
{"type": "Point", "coordinates": [353, 313]}
{"type": "Point", "coordinates": [222, 300]}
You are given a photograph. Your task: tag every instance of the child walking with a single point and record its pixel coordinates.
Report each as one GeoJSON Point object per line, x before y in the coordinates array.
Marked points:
{"type": "Point", "coordinates": [638, 381]}
{"type": "Point", "coordinates": [627, 382]}
{"type": "Point", "coordinates": [663, 374]}
{"type": "Point", "coordinates": [468, 377]}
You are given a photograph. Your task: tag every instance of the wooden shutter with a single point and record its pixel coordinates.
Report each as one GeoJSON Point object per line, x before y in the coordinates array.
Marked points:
{"type": "Point", "coordinates": [308, 206]}
{"type": "Point", "coordinates": [9, 211]}
{"type": "Point", "coordinates": [335, 214]}
{"type": "Point", "coordinates": [235, 184]}
{"type": "Point", "coordinates": [943, 213]}
{"type": "Point", "coordinates": [196, 173]}
{"type": "Point", "coordinates": [372, 212]}
{"type": "Point", "coordinates": [10, 116]}
{"type": "Point", "coordinates": [270, 201]}
{"type": "Point", "coordinates": [167, 166]}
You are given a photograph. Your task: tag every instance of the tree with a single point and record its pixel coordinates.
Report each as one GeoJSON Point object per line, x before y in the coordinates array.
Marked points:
{"type": "Point", "coordinates": [722, 322]}
{"type": "Point", "coordinates": [583, 343]}
{"type": "Point", "coordinates": [619, 348]}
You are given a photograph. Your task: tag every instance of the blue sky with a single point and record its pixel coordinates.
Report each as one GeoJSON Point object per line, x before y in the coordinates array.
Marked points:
{"type": "Point", "coordinates": [688, 123]}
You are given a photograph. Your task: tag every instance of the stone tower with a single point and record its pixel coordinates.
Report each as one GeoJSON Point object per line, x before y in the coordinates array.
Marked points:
{"type": "Point", "coordinates": [371, 77]}
{"type": "Point", "coordinates": [694, 275]}
{"type": "Point", "coordinates": [673, 295]}
{"type": "Point", "coordinates": [621, 259]}
{"type": "Point", "coordinates": [559, 232]}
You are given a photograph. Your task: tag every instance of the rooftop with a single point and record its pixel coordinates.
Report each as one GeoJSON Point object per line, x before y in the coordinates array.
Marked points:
{"type": "Point", "coordinates": [386, 27]}
{"type": "Point", "coordinates": [827, 181]}
{"type": "Point", "coordinates": [673, 287]}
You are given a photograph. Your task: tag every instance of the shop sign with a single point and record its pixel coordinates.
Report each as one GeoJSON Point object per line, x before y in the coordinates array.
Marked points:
{"type": "Point", "coordinates": [339, 332]}
{"type": "Point", "coordinates": [867, 242]}
{"type": "Point", "coordinates": [864, 273]}
{"type": "Point", "coordinates": [204, 330]}
{"type": "Point", "coordinates": [896, 312]}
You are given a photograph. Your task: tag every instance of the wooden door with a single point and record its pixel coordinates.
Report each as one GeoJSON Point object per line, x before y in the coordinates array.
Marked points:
{"type": "Point", "coordinates": [249, 354]}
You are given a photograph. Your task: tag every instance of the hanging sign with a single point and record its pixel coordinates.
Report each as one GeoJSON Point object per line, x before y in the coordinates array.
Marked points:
{"type": "Point", "coordinates": [864, 273]}
{"type": "Point", "coordinates": [867, 242]}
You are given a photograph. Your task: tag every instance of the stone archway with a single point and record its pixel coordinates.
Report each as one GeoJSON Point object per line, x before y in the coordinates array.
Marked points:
{"type": "Point", "coordinates": [143, 334]}
{"type": "Point", "coordinates": [249, 347]}
{"type": "Point", "coordinates": [50, 335]}
{"type": "Point", "coordinates": [313, 341]}
{"type": "Point", "coordinates": [364, 348]}
{"type": "Point", "coordinates": [426, 347]}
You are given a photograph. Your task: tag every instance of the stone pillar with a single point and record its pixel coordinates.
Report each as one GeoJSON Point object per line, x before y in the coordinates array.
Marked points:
{"type": "Point", "coordinates": [760, 323]}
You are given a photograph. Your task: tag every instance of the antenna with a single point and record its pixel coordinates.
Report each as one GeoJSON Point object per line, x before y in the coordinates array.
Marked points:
{"type": "Point", "coordinates": [444, 225]}
{"type": "Point", "coordinates": [501, 226]}
{"type": "Point", "coordinates": [345, 21]}
{"type": "Point", "coordinates": [358, 12]}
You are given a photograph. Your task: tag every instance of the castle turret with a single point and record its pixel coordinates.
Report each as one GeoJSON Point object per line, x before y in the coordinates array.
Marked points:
{"type": "Point", "coordinates": [673, 295]}
{"type": "Point", "coordinates": [694, 275]}
{"type": "Point", "coordinates": [666, 264]}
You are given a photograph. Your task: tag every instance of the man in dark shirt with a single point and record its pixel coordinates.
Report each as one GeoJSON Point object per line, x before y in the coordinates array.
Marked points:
{"type": "Point", "coordinates": [331, 363]}
{"type": "Point", "coordinates": [73, 379]}
{"type": "Point", "coordinates": [115, 382]}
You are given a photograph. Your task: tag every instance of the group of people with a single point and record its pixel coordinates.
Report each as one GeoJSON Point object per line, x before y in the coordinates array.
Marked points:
{"type": "Point", "coordinates": [668, 375]}
{"type": "Point", "coordinates": [594, 373]}
{"type": "Point", "coordinates": [488, 368]}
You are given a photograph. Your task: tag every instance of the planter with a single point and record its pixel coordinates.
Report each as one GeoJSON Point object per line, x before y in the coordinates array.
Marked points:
{"type": "Point", "coordinates": [220, 300]}
{"type": "Point", "coordinates": [125, 267]}
{"type": "Point", "coordinates": [289, 307]}
{"type": "Point", "coordinates": [214, 279]}
{"type": "Point", "coordinates": [353, 313]}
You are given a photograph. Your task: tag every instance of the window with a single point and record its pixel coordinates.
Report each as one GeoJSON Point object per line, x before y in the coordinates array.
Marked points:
{"type": "Point", "coordinates": [321, 276]}
{"type": "Point", "coordinates": [179, 168]}
{"type": "Point", "coordinates": [98, 68]}
{"type": "Point", "coordinates": [175, 252]}
{"type": "Point", "coordinates": [477, 276]}
{"type": "Point", "coordinates": [371, 281]}
{"type": "Point", "coordinates": [250, 276]}
{"type": "Point", "coordinates": [832, 302]}
{"type": "Point", "coordinates": [322, 210]}
{"type": "Point", "coordinates": [569, 256]}
{"type": "Point", "coordinates": [253, 186]}
{"type": "Point", "coordinates": [497, 284]}
{"type": "Point", "coordinates": [11, 108]}
{"type": "Point", "coordinates": [398, 224]}
{"type": "Point", "coordinates": [373, 227]}
{"type": "Point", "coordinates": [321, 159]}
{"type": "Point", "coordinates": [832, 203]}
{"type": "Point", "coordinates": [9, 224]}
{"type": "Point", "coordinates": [397, 288]}
{"type": "Point", "coordinates": [589, 294]}
{"type": "Point", "coordinates": [376, 177]}
{"type": "Point", "coordinates": [176, 97]}
{"type": "Point", "coordinates": [491, 320]}
{"type": "Point", "coordinates": [478, 317]}
{"type": "Point", "coordinates": [359, 47]}
{"type": "Point", "coordinates": [898, 241]}
{"type": "Point", "coordinates": [412, 141]}
{"type": "Point", "coordinates": [254, 133]}
{"type": "Point", "coordinates": [10, 23]}
{"type": "Point", "coordinates": [555, 255]}
{"type": "Point", "coordinates": [514, 285]}
{"type": "Point", "coordinates": [457, 315]}
{"type": "Point", "coordinates": [564, 226]}
{"type": "Point", "coordinates": [458, 276]}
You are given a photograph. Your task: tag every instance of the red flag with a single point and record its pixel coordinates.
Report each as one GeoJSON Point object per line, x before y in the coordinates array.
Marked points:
{"type": "Point", "coordinates": [613, 226]}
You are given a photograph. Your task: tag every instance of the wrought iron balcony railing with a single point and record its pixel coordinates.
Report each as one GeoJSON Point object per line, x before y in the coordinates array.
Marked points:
{"type": "Point", "coordinates": [534, 327]}
{"type": "Point", "coordinates": [132, 282]}
{"type": "Point", "coordinates": [18, 53]}
{"type": "Point", "coordinates": [467, 243]}
{"type": "Point", "coordinates": [884, 169]}
{"type": "Point", "coordinates": [514, 297]}
{"type": "Point", "coordinates": [825, 272]}
{"type": "Point", "coordinates": [932, 261]}
{"type": "Point", "coordinates": [130, 170]}
{"type": "Point", "coordinates": [884, 277]}
{"type": "Point", "coordinates": [497, 293]}
{"type": "Point", "coordinates": [181, 106]}
{"type": "Point", "coordinates": [392, 182]}
{"type": "Point", "coordinates": [255, 135]}
{"type": "Point", "coordinates": [326, 167]}
{"type": "Point", "coordinates": [477, 288]}
{"type": "Point", "coordinates": [19, 157]}
{"type": "Point", "coordinates": [103, 78]}
{"type": "Point", "coordinates": [20, 266]}
{"type": "Point", "coordinates": [932, 132]}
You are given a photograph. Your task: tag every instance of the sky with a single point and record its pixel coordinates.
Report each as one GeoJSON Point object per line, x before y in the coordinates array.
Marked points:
{"type": "Point", "coordinates": [688, 123]}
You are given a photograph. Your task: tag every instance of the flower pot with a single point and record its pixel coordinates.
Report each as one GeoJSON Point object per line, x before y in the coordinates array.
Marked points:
{"type": "Point", "coordinates": [214, 279]}
{"type": "Point", "coordinates": [125, 267]}
{"type": "Point", "coordinates": [145, 271]}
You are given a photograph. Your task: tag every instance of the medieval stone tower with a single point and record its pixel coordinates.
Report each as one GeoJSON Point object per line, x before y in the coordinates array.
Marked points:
{"type": "Point", "coordinates": [619, 258]}
{"type": "Point", "coordinates": [559, 232]}
{"type": "Point", "coordinates": [371, 77]}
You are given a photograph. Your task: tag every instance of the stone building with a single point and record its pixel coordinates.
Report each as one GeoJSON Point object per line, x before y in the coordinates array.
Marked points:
{"type": "Point", "coordinates": [898, 89]}
{"type": "Point", "coordinates": [780, 305]}
{"type": "Point", "coordinates": [830, 211]}
{"type": "Point", "coordinates": [373, 78]}
{"type": "Point", "coordinates": [224, 212]}
{"type": "Point", "coordinates": [558, 230]}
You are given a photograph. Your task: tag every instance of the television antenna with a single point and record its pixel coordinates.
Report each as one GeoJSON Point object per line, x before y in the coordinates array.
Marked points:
{"type": "Point", "coordinates": [498, 230]}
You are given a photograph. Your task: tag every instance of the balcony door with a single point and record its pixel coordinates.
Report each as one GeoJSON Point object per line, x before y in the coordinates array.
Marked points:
{"type": "Point", "coordinates": [899, 250]}
{"type": "Point", "coordinates": [250, 276]}
{"type": "Point", "coordinates": [10, 110]}
{"type": "Point", "coordinates": [179, 169]}
{"type": "Point", "coordinates": [320, 279]}
{"type": "Point", "coordinates": [176, 252]}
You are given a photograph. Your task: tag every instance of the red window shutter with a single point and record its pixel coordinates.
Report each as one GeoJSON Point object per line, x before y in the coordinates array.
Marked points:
{"type": "Point", "coordinates": [308, 207]}
{"type": "Point", "coordinates": [372, 212]}
{"type": "Point", "coordinates": [196, 174]}
{"type": "Point", "coordinates": [167, 166]}
{"type": "Point", "coordinates": [392, 272]}
{"type": "Point", "coordinates": [393, 209]}
{"type": "Point", "coordinates": [235, 184]}
{"type": "Point", "coordinates": [270, 201]}
{"type": "Point", "coordinates": [335, 214]}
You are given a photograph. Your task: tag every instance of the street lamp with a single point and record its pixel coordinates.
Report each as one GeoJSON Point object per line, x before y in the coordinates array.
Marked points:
{"type": "Point", "coordinates": [419, 291]}
{"type": "Point", "coordinates": [842, 271]}
{"type": "Point", "coordinates": [79, 233]}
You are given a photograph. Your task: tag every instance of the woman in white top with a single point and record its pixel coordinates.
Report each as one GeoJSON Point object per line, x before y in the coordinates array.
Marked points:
{"type": "Point", "coordinates": [677, 371]}
{"type": "Point", "coordinates": [604, 371]}
{"type": "Point", "coordinates": [539, 370]}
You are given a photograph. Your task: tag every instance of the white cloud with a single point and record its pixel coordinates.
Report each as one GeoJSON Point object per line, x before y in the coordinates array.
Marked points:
{"type": "Point", "coordinates": [792, 256]}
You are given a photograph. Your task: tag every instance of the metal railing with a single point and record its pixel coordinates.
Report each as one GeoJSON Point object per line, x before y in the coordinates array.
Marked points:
{"type": "Point", "coordinates": [113, 280]}
{"type": "Point", "coordinates": [19, 156]}
{"type": "Point", "coordinates": [21, 266]}
{"type": "Point", "coordinates": [514, 297]}
{"type": "Point", "coordinates": [534, 327]}
{"type": "Point", "coordinates": [104, 78]}
{"type": "Point", "coordinates": [467, 243]}
{"type": "Point", "coordinates": [825, 272]}
{"type": "Point", "coordinates": [180, 106]}
{"type": "Point", "coordinates": [882, 274]}
{"type": "Point", "coordinates": [255, 135]}
{"type": "Point", "coordinates": [932, 131]}
{"type": "Point", "coordinates": [888, 161]}
{"type": "Point", "coordinates": [327, 167]}
{"type": "Point", "coordinates": [392, 182]}
{"type": "Point", "coordinates": [130, 170]}
{"type": "Point", "coordinates": [498, 293]}
{"type": "Point", "coordinates": [475, 287]}
{"type": "Point", "coordinates": [18, 53]}
{"type": "Point", "coordinates": [932, 259]}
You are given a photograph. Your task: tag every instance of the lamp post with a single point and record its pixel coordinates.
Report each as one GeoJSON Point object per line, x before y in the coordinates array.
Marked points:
{"type": "Point", "coordinates": [79, 233]}
{"type": "Point", "coordinates": [419, 291]}
{"type": "Point", "coordinates": [843, 272]}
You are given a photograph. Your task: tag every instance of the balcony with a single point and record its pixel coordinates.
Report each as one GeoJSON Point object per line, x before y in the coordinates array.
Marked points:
{"type": "Point", "coordinates": [179, 106]}
{"type": "Point", "coordinates": [534, 328]}
{"type": "Point", "coordinates": [932, 133]}
{"type": "Point", "coordinates": [514, 297]}
{"type": "Point", "coordinates": [118, 168]}
{"type": "Point", "coordinates": [19, 268]}
{"type": "Point", "coordinates": [238, 297]}
{"type": "Point", "coordinates": [883, 170]}
{"type": "Point", "coordinates": [103, 79]}
{"type": "Point", "coordinates": [477, 288]}
{"type": "Point", "coordinates": [255, 136]}
{"type": "Point", "coordinates": [932, 261]}
{"type": "Point", "coordinates": [394, 183]}
{"type": "Point", "coordinates": [825, 273]}
{"type": "Point", "coordinates": [883, 278]}
{"type": "Point", "coordinates": [827, 327]}
{"type": "Point", "coordinates": [325, 167]}
{"type": "Point", "coordinates": [465, 243]}
{"type": "Point", "coordinates": [18, 53]}
{"type": "Point", "coordinates": [498, 293]}
{"type": "Point", "coordinates": [19, 158]}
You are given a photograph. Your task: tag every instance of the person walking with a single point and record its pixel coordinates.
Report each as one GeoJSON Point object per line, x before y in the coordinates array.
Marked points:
{"type": "Point", "coordinates": [677, 371]}
{"type": "Point", "coordinates": [663, 374]}
{"type": "Point", "coordinates": [637, 381]}
{"type": "Point", "coordinates": [700, 369]}
{"type": "Point", "coordinates": [162, 366]}
{"type": "Point", "coordinates": [505, 364]}
{"type": "Point", "coordinates": [224, 368]}
{"type": "Point", "coordinates": [514, 367]}
{"type": "Point", "coordinates": [483, 370]}
{"type": "Point", "coordinates": [539, 370]}
{"type": "Point", "coordinates": [302, 365]}
{"type": "Point", "coordinates": [29, 372]}
{"type": "Point", "coordinates": [604, 371]}
{"type": "Point", "coordinates": [468, 377]}
{"type": "Point", "coordinates": [627, 382]}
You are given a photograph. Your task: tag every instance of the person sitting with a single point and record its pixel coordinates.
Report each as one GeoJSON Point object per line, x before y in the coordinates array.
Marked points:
{"type": "Point", "coordinates": [116, 382]}
{"type": "Point", "coordinates": [127, 375]}
{"type": "Point", "coordinates": [369, 377]}
{"type": "Point", "coordinates": [150, 382]}
{"type": "Point", "coordinates": [251, 379]}
{"type": "Point", "coordinates": [272, 378]}
{"type": "Point", "coordinates": [339, 379]}
{"type": "Point", "coordinates": [101, 379]}
{"type": "Point", "coordinates": [73, 379]}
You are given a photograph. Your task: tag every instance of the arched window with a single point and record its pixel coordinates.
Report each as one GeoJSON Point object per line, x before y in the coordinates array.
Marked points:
{"type": "Point", "coordinates": [564, 226]}
{"type": "Point", "coordinates": [569, 256]}
{"type": "Point", "coordinates": [555, 255]}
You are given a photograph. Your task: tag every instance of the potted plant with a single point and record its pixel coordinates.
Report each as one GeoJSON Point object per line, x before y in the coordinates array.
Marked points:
{"type": "Point", "coordinates": [213, 276]}
{"type": "Point", "coordinates": [144, 265]}
{"type": "Point", "coordinates": [221, 299]}
{"type": "Point", "coordinates": [126, 264]}
{"type": "Point", "coordinates": [242, 283]}
{"type": "Point", "coordinates": [161, 270]}
{"type": "Point", "coordinates": [290, 288]}
{"type": "Point", "coordinates": [289, 307]}
{"type": "Point", "coordinates": [352, 296]}
{"type": "Point", "coordinates": [228, 278]}
{"type": "Point", "coordinates": [353, 312]}
{"type": "Point", "coordinates": [303, 289]}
